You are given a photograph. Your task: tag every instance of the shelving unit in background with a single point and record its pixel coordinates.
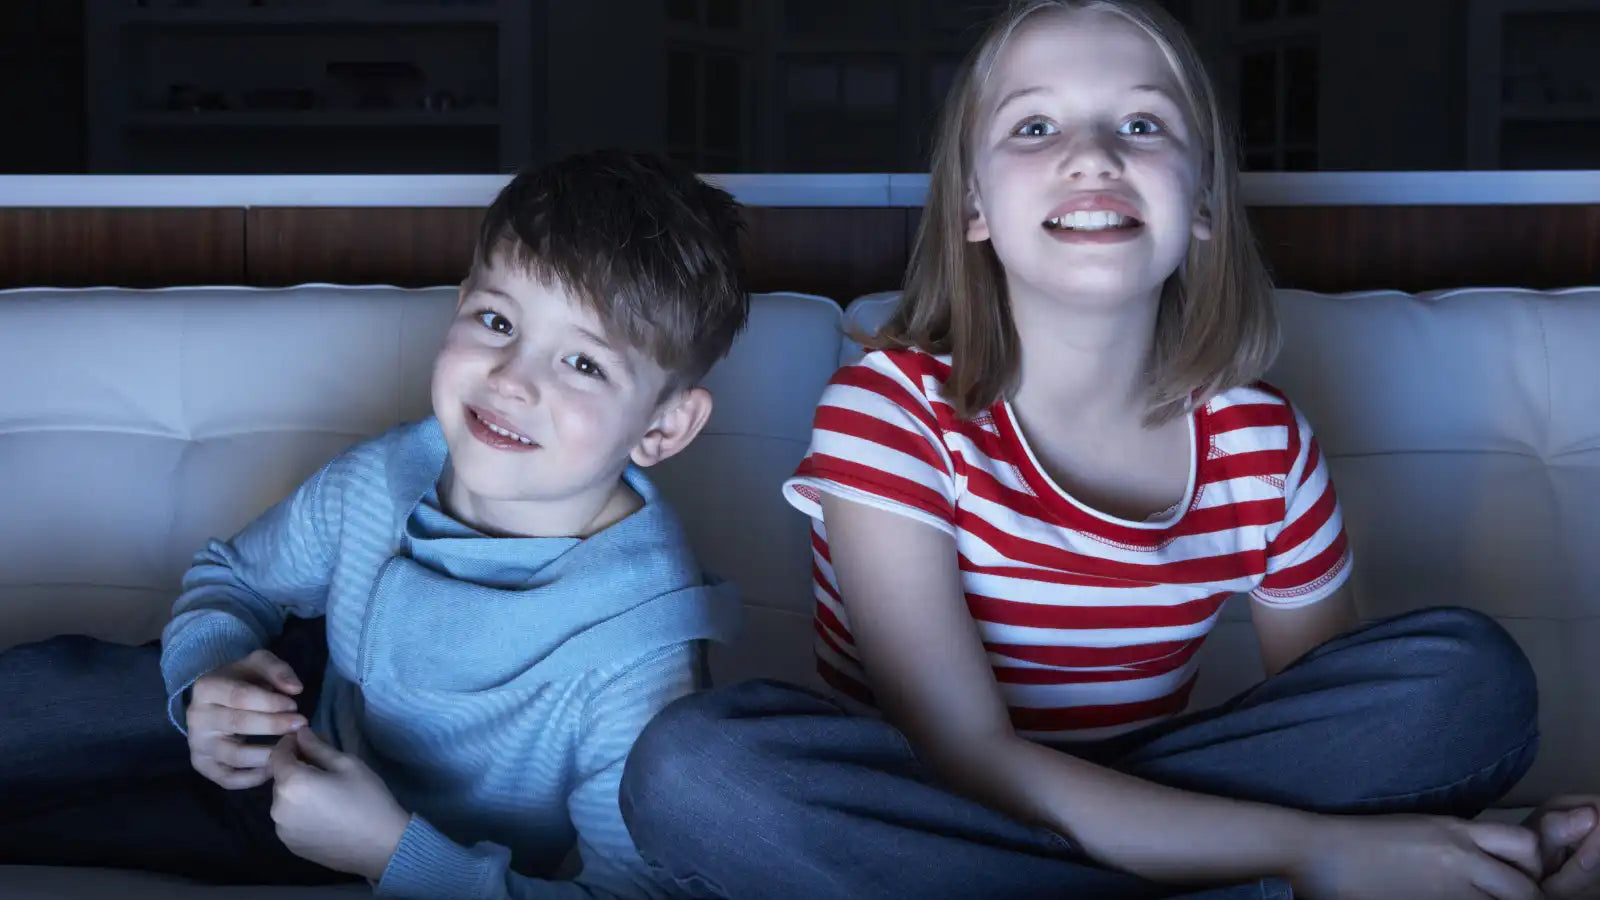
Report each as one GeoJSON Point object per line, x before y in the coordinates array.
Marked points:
{"type": "Point", "coordinates": [811, 85]}
{"type": "Point", "coordinates": [377, 86]}
{"type": "Point", "coordinates": [1534, 100]}
{"type": "Point", "coordinates": [41, 66]}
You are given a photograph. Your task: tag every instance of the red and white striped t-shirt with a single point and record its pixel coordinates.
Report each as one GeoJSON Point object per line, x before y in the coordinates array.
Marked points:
{"type": "Point", "coordinates": [1091, 622]}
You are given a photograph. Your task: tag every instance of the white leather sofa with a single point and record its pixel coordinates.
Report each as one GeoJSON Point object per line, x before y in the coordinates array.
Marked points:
{"type": "Point", "coordinates": [1464, 430]}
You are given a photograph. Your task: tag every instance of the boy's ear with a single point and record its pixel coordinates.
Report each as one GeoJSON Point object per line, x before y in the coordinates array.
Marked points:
{"type": "Point", "coordinates": [677, 423]}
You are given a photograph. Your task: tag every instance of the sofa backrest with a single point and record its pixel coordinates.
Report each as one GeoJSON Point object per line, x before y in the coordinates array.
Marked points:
{"type": "Point", "coordinates": [135, 425]}
{"type": "Point", "coordinates": [1463, 430]}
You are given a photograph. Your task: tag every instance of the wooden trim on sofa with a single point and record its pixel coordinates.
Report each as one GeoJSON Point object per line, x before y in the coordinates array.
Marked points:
{"type": "Point", "coordinates": [123, 247]}
{"type": "Point", "coordinates": [838, 252]}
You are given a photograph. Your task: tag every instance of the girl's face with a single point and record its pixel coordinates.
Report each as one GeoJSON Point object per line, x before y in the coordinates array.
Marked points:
{"type": "Point", "coordinates": [1085, 173]}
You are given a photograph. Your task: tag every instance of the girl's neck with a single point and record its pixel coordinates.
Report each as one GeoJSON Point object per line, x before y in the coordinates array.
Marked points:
{"type": "Point", "coordinates": [1092, 357]}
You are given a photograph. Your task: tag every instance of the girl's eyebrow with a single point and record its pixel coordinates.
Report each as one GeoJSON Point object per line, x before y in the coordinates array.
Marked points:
{"type": "Point", "coordinates": [1018, 94]}
{"type": "Point", "coordinates": [1156, 89]}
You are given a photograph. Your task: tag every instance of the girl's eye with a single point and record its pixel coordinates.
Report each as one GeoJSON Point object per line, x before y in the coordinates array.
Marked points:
{"type": "Point", "coordinates": [495, 322]}
{"type": "Point", "coordinates": [585, 365]}
{"type": "Point", "coordinates": [1140, 125]}
{"type": "Point", "coordinates": [1035, 128]}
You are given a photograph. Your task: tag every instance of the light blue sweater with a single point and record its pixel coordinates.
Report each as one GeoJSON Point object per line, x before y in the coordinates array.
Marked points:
{"type": "Point", "coordinates": [496, 684]}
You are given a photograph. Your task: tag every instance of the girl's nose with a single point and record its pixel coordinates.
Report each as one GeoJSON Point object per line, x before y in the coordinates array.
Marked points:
{"type": "Point", "coordinates": [1091, 154]}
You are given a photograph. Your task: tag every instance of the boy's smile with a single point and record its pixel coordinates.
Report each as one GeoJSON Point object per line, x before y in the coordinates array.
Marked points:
{"type": "Point", "coordinates": [495, 431]}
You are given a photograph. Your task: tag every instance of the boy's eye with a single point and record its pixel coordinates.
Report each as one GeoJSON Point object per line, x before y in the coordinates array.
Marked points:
{"type": "Point", "coordinates": [1035, 128]}
{"type": "Point", "coordinates": [495, 322]}
{"type": "Point", "coordinates": [1140, 125]}
{"type": "Point", "coordinates": [585, 365]}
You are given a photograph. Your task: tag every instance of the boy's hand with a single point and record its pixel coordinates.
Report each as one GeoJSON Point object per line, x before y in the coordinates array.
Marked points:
{"type": "Point", "coordinates": [332, 809]}
{"type": "Point", "coordinates": [254, 696]}
{"type": "Point", "coordinates": [1569, 846]}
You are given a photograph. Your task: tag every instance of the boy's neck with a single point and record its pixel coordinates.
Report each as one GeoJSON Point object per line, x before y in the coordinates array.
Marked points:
{"type": "Point", "coordinates": [1091, 357]}
{"type": "Point", "coordinates": [579, 516]}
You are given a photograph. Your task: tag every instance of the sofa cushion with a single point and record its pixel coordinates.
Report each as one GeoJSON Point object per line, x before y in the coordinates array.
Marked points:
{"type": "Point", "coordinates": [134, 425]}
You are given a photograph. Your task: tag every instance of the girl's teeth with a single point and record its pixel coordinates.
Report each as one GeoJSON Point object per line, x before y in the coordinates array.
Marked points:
{"type": "Point", "coordinates": [1088, 220]}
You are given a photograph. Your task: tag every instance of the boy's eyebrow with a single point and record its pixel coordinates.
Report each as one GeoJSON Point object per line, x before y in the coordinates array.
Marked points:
{"type": "Point", "coordinates": [598, 339]}
{"type": "Point", "coordinates": [495, 291]}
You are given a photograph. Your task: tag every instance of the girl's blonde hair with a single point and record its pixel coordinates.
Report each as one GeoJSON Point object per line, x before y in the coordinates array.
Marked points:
{"type": "Point", "coordinates": [1215, 328]}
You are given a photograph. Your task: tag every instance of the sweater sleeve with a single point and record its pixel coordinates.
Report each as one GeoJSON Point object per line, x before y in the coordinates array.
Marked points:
{"type": "Point", "coordinates": [237, 593]}
{"type": "Point", "coordinates": [427, 864]}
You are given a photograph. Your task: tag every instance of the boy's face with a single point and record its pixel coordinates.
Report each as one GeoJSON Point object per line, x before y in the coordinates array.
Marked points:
{"type": "Point", "coordinates": [538, 404]}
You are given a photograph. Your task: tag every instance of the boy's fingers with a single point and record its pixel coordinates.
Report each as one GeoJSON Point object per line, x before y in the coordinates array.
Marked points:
{"type": "Point", "coordinates": [230, 720]}
{"type": "Point", "coordinates": [319, 752]}
{"type": "Point", "coordinates": [239, 755]}
{"type": "Point", "coordinates": [232, 779]}
{"type": "Point", "coordinates": [282, 759]}
{"type": "Point", "coordinates": [275, 671]}
{"type": "Point", "coordinates": [243, 695]}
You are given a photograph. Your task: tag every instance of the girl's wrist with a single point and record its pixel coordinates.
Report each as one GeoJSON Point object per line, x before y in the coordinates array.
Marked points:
{"type": "Point", "coordinates": [1307, 839]}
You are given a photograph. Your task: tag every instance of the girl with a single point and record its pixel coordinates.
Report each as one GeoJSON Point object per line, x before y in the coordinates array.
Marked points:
{"type": "Point", "coordinates": [1029, 505]}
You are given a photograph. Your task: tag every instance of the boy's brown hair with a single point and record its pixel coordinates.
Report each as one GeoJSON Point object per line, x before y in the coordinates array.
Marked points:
{"type": "Point", "coordinates": [1216, 327]}
{"type": "Point", "coordinates": [648, 246]}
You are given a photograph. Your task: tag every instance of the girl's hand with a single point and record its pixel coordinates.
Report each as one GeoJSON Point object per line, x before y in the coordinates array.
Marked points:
{"type": "Point", "coordinates": [1569, 846]}
{"type": "Point", "coordinates": [332, 809]}
{"type": "Point", "coordinates": [1419, 858]}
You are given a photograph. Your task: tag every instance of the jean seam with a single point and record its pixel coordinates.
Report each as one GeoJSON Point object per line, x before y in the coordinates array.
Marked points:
{"type": "Point", "coordinates": [1486, 770]}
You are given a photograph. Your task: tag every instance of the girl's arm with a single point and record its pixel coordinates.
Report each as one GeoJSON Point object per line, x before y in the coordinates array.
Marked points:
{"type": "Point", "coordinates": [1285, 635]}
{"type": "Point", "coordinates": [931, 677]}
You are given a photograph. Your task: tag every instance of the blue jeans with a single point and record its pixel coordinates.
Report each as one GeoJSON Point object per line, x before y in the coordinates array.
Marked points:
{"type": "Point", "coordinates": [93, 774]}
{"type": "Point", "coordinates": [765, 790]}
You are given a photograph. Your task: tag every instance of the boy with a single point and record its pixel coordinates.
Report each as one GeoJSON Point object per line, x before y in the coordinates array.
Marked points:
{"type": "Point", "coordinates": [508, 599]}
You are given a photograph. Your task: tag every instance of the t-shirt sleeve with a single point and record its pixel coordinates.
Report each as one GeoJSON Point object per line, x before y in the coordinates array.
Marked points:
{"type": "Point", "coordinates": [876, 440]}
{"type": "Point", "coordinates": [1308, 559]}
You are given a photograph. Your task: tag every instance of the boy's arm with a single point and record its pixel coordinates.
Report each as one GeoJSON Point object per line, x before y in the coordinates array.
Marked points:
{"type": "Point", "coordinates": [237, 593]}
{"type": "Point", "coordinates": [428, 864]}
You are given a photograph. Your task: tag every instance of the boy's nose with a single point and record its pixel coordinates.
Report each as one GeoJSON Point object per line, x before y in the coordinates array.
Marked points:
{"type": "Point", "coordinates": [506, 381]}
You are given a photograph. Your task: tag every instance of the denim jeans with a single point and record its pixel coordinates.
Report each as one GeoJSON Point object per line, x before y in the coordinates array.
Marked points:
{"type": "Point", "coordinates": [765, 790]}
{"type": "Point", "coordinates": [93, 774]}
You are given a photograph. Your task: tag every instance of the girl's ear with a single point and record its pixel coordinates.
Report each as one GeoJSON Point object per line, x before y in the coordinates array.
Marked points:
{"type": "Point", "coordinates": [977, 226]}
{"type": "Point", "coordinates": [1201, 227]}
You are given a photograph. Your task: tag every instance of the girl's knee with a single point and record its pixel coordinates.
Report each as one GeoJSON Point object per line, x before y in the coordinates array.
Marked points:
{"type": "Point", "coordinates": [1478, 671]}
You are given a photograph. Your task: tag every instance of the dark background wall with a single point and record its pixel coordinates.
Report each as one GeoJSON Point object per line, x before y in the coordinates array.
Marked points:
{"type": "Point", "coordinates": [742, 85]}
